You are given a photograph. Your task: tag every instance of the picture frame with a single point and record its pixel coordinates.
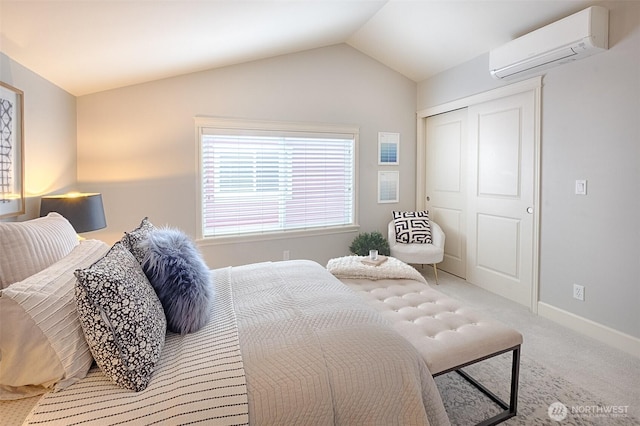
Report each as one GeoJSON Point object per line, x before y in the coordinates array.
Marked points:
{"type": "Point", "coordinates": [388, 149]}
{"type": "Point", "coordinates": [388, 187]}
{"type": "Point", "coordinates": [12, 201]}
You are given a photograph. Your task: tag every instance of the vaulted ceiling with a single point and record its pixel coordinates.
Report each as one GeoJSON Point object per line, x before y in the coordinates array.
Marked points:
{"type": "Point", "coordinates": [86, 46]}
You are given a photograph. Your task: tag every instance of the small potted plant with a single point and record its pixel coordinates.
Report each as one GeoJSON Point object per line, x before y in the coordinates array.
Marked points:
{"type": "Point", "coordinates": [369, 241]}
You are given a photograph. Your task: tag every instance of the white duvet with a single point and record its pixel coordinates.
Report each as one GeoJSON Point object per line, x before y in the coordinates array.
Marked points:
{"type": "Point", "coordinates": [308, 351]}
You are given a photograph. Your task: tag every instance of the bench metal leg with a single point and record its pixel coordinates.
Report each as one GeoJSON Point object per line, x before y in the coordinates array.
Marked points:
{"type": "Point", "coordinates": [510, 410]}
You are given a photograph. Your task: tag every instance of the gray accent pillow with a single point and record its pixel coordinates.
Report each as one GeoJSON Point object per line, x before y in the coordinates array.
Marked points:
{"type": "Point", "coordinates": [122, 318]}
{"type": "Point", "coordinates": [181, 279]}
{"type": "Point", "coordinates": [412, 227]}
{"type": "Point", "coordinates": [132, 240]}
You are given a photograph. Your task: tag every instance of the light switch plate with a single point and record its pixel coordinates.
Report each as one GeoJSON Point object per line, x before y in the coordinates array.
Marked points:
{"type": "Point", "coordinates": [581, 187]}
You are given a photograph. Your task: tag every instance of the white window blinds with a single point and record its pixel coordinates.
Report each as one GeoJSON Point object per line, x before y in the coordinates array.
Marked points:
{"type": "Point", "coordinates": [256, 181]}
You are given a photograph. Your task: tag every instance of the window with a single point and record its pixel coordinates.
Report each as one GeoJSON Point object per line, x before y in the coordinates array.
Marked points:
{"type": "Point", "coordinates": [267, 177]}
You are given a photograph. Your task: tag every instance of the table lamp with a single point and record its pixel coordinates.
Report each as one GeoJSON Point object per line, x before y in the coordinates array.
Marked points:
{"type": "Point", "coordinates": [83, 210]}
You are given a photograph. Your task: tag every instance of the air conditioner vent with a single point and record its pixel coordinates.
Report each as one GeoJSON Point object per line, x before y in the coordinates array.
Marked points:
{"type": "Point", "coordinates": [575, 37]}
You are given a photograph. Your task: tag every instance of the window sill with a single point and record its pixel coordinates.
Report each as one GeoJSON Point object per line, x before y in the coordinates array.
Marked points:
{"type": "Point", "coordinates": [279, 235]}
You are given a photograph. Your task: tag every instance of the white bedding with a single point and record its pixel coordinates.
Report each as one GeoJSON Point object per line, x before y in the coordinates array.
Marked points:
{"type": "Point", "coordinates": [199, 378]}
{"type": "Point", "coordinates": [309, 351]}
{"type": "Point", "coordinates": [316, 353]}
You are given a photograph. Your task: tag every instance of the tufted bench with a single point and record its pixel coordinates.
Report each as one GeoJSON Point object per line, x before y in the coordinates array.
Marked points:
{"type": "Point", "coordinates": [448, 335]}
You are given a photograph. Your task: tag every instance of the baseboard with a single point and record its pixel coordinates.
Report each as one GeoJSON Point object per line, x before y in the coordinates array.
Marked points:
{"type": "Point", "coordinates": [615, 338]}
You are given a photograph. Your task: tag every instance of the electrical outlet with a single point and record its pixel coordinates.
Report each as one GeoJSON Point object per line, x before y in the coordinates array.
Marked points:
{"type": "Point", "coordinates": [285, 255]}
{"type": "Point", "coordinates": [578, 292]}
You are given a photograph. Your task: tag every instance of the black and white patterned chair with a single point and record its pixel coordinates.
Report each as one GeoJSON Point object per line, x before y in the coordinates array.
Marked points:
{"type": "Point", "coordinates": [419, 253]}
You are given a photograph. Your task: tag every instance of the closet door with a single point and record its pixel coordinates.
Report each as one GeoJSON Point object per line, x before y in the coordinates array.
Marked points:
{"type": "Point", "coordinates": [446, 182]}
{"type": "Point", "coordinates": [500, 202]}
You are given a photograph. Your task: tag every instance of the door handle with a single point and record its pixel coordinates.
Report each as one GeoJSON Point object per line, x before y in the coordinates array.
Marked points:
{"type": "Point", "coordinates": [530, 210]}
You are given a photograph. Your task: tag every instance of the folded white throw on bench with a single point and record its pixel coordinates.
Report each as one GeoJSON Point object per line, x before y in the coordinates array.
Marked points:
{"type": "Point", "coordinates": [352, 267]}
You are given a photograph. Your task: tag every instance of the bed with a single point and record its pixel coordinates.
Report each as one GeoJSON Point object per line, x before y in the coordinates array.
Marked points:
{"type": "Point", "coordinates": [287, 343]}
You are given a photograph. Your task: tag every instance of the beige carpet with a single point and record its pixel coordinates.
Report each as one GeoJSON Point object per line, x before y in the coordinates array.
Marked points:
{"type": "Point", "coordinates": [557, 365]}
{"type": "Point", "coordinates": [538, 390]}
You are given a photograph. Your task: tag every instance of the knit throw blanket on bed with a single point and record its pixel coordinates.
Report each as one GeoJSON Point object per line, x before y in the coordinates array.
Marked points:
{"type": "Point", "coordinates": [352, 267]}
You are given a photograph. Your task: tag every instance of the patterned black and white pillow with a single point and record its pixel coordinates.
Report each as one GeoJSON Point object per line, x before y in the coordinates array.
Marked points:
{"type": "Point", "coordinates": [131, 240]}
{"type": "Point", "coordinates": [122, 318]}
{"type": "Point", "coordinates": [412, 227]}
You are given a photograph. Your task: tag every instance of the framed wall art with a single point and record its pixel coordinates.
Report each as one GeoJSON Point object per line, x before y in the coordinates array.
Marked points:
{"type": "Point", "coordinates": [388, 149]}
{"type": "Point", "coordinates": [388, 187]}
{"type": "Point", "coordinates": [11, 151]}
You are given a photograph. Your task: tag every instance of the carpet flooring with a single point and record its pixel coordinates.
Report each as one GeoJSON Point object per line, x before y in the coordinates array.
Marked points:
{"type": "Point", "coordinates": [538, 390]}
{"type": "Point", "coordinates": [596, 384]}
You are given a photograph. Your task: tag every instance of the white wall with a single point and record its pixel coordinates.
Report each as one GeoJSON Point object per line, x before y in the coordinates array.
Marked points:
{"type": "Point", "coordinates": [590, 130]}
{"type": "Point", "coordinates": [137, 145]}
{"type": "Point", "coordinates": [49, 134]}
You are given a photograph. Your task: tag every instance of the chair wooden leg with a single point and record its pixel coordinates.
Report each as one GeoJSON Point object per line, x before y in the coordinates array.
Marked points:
{"type": "Point", "coordinates": [435, 271]}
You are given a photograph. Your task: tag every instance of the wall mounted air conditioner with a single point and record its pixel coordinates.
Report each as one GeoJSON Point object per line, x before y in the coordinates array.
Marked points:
{"type": "Point", "coordinates": [574, 37]}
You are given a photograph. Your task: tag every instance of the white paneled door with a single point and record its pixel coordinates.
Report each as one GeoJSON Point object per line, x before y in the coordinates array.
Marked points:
{"type": "Point", "coordinates": [446, 184]}
{"type": "Point", "coordinates": [501, 195]}
{"type": "Point", "coordinates": [478, 176]}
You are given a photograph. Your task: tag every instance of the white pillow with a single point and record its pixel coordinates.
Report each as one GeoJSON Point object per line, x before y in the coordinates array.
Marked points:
{"type": "Point", "coordinates": [29, 247]}
{"type": "Point", "coordinates": [42, 345]}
